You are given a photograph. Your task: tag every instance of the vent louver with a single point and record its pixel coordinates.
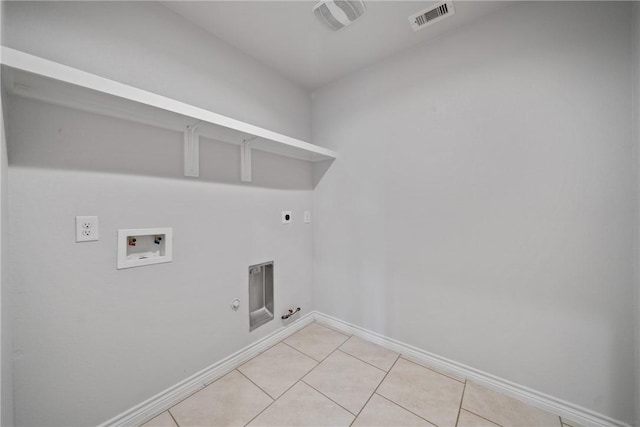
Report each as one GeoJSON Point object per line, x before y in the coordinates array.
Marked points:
{"type": "Point", "coordinates": [432, 15]}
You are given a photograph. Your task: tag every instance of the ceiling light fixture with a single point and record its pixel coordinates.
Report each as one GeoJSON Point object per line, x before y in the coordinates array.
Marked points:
{"type": "Point", "coordinates": [337, 14]}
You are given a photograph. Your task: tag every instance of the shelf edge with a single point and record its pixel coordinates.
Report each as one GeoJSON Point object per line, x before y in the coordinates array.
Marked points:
{"type": "Point", "coordinates": [44, 67]}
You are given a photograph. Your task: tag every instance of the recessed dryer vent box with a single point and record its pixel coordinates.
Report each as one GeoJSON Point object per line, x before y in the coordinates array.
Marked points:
{"type": "Point", "coordinates": [260, 294]}
{"type": "Point", "coordinates": [144, 246]}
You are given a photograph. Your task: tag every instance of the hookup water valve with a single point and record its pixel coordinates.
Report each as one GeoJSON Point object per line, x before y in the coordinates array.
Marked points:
{"type": "Point", "coordinates": [291, 313]}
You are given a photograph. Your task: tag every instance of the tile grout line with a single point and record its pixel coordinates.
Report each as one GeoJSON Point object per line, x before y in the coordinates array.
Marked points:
{"type": "Point", "coordinates": [193, 394]}
{"type": "Point", "coordinates": [215, 381]}
{"type": "Point", "coordinates": [398, 357]}
{"type": "Point", "coordinates": [251, 381]}
{"type": "Point", "coordinates": [461, 400]}
{"type": "Point", "coordinates": [480, 416]}
{"type": "Point", "coordinates": [342, 351]}
{"type": "Point", "coordinates": [406, 409]}
{"type": "Point", "coordinates": [307, 373]}
{"type": "Point", "coordinates": [433, 370]}
{"type": "Point", "coordinates": [172, 417]}
{"type": "Point", "coordinates": [363, 361]}
{"type": "Point", "coordinates": [270, 404]}
{"type": "Point", "coordinates": [436, 372]}
{"type": "Point", "coordinates": [319, 361]}
{"type": "Point", "coordinates": [333, 329]}
{"type": "Point", "coordinates": [295, 382]}
{"type": "Point", "coordinates": [567, 424]}
{"type": "Point", "coordinates": [291, 347]}
{"type": "Point", "coordinates": [303, 381]}
{"type": "Point", "coordinates": [409, 410]}
{"type": "Point", "coordinates": [236, 369]}
{"type": "Point", "coordinates": [376, 389]}
{"type": "Point", "coordinates": [298, 381]}
{"type": "Point", "coordinates": [406, 358]}
{"type": "Point", "coordinates": [302, 353]}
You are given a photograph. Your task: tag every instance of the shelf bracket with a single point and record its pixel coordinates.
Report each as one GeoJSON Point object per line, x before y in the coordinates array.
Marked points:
{"type": "Point", "coordinates": [191, 152]}
{"type": "Point", "coordinates": [245, 160]}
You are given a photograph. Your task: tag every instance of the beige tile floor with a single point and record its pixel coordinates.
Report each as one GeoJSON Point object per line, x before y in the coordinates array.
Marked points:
{"type": "Point", "coordinates": [321, 377]}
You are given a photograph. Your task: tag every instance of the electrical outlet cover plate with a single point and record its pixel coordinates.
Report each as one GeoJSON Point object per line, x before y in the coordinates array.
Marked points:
{"type": "Point", "coordinates": [286, 217]}
{"type": "Point", "coordinates": [87, 229]}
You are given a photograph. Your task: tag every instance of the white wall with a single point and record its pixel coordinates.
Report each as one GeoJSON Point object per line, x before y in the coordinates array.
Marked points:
{"type": "Point", "coordinates": [6, 306]}
{"type": "Point", "coordinates": [636, 137]}
{"type": "Point", "coordinates": [92, 341]}
{"type": "Point", "coordinates": [6, 342]}
{"type": "Point", "coordinates": [149, 46]}
{"type": "Point", "coordinates": [481, 205]}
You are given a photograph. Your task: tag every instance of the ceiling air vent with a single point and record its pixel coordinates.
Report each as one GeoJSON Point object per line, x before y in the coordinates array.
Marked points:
{"type": "Point", "coordinates": [432, 15]}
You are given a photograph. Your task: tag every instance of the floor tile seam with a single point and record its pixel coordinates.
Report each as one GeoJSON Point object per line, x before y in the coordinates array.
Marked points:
{"type": "Point", "coordinates": [396, 403]}
{"type": "Point", "coordinates": [294, 349]}
{"type": "Point", "coordinates": [319, 363]}
{"type": "Point", "coordinates": [252, 382]}
{"type": "Point", "coordinates": [480, 416]}
{"type": "Point", "coordinates": [172, 417]}
{"type": "Point", "coordinates": [495, 422]}
{"type": "Point", "coordinates": [302, 353]}
{"type": "Point", "coordinates": [222, 376]}
{"type": "Point", "coordinates": [354, 415]}
{"type": "Point", "coordinates": [265, 350]}
{"type": "Point", "coordinates": [364, 361]}
{"type": "Point", "coordinates": [334, 329]}
{"type": "Point", "coordinates": [308, 355]}
{"type": "Point", "coordinates": [402, 406]}
{"type": "Point", "coordinates": [294, 383]}
{"type": "Point", "coordinates": [261, 352]}
{"type": "Point", "coordinates": [385, 370]}
{"type": "Point", "coordinates": [325, 358]}
{"type": "Point", "coordinates": [196, 392]}
{"type": "Point", "coordinates": [568, 423]}
{"type": "Point", "coordinates": [270, 404]}
{"type": "Point", "coordinates": [404, 357]}
{"type": "Point", "coordinates": [406, 409]}
{"type": "Point", "coordinates": [461, 399]}
{"type": "Point", "coordinates": [374, 391]}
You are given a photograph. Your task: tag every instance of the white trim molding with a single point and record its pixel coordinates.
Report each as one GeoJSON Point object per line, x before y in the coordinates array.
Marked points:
{"type": "Point", "coordinates": [164, 400]}
{"type": "Point", "coordinates": [566, 410]}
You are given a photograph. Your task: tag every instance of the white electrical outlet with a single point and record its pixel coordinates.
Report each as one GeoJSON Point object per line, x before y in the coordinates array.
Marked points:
{"type": "Point", "coordinates": [286, 217]}
{"type": "Point", "coordinates": [307, 217]}
{"type": "Point", "coordinates": [86, 228]}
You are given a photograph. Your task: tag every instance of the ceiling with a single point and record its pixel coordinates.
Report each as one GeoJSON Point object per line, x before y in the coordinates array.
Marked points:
{"type": "Point", "coordinates": [286, 36]}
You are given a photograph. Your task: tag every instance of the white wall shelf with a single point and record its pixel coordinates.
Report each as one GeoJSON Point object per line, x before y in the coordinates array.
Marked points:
{"type": "Point", "coordinates": [37, 78]}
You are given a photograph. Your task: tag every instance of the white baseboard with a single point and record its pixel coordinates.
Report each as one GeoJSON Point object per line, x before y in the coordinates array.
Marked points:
{"type": "Point", "coordinates": [566, 410]}
{"type": "Point", "coordinates": [164, 400]}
